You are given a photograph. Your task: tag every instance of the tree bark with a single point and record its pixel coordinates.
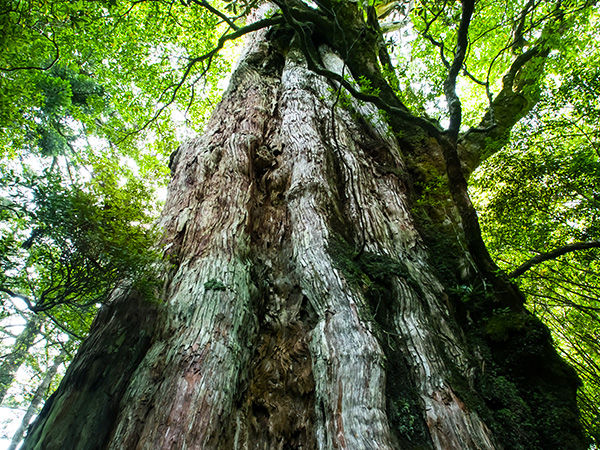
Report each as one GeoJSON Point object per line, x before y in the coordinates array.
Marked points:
{"type": "Point", "coordinates": [310, 300]}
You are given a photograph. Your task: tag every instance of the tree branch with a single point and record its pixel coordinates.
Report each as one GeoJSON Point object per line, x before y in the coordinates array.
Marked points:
{"type": "Point", "coordinates": [206, 57]}
{"type": "Point", "coordinates": [313, 64]}
{"type": "Point", "coordinates": [62, 327]}
{"type": "Point", "coordinates": [47, 67]}
{"type": "Point", "coordinates": [542, 257]}
{"type": "Point", "coordinates": [511, 104]}
{"type": "Point", "coordinates": [431, 39]}
{"type": "Point", "coordinates": [454, 106]}
{"type": "Point", "coordinates": [17, 295]}
{"type": "Point", "coordinates": [518, 30]}
{"type": "Point", "coordinates": [216, 12]}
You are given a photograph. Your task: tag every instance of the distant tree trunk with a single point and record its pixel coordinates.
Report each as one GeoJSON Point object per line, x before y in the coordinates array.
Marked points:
{"type": "Point", "coordinates": [38, 396]}
{"type": "Point", "coordinates": [317, 297]}
{"type": "Point", "coordinates": [18, 353]}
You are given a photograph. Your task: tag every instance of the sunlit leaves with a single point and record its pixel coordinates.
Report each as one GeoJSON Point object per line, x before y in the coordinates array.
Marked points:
{"type": "Point", "coordinates": [75, 242]}
{"type": "Point", "coordinates": [93, 100]}
{"type": "Point", "coordinates": [542, 192]}
{"type": "Point", "coordinates": [134, 53]}
{"type": "Point", "coordinates": [499, 32]}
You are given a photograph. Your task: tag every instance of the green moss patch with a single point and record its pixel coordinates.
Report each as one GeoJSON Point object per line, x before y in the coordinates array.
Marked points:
{"type": "Point", "coordinates": [214, 285]}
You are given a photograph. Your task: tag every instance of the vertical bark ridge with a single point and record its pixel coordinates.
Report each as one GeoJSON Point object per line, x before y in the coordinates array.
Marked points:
{"type": "Point", "coordinates": [191, 376]}
{"type": "Point", "coordinates": [347, 359]}
{"type": "Point", "coordinates": [420, 316]}
{"type": "Point", "coordinates": [83, 411]}
{"type": "Point", "coordinates": [276, 331]}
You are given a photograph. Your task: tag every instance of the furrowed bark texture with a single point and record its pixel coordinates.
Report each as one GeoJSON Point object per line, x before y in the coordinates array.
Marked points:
{"type": "Point", "coordinates": [301, 309]}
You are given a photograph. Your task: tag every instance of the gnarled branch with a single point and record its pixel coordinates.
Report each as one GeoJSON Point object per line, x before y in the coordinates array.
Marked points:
{"type": "Point", "coordinates": [216, 12]}
{"type": "Point", "coordinates": [206, 57]}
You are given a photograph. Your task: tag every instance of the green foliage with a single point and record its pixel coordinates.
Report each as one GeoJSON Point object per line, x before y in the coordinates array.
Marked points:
{"type": "Point", "coordinates": [114, 67]}
{"type": "Point", "coordinates": [70, 244]}
{"type": "Point", "coordinates": [540, 193]}
{"type": "Point", "coordinates": [91, 96]}
{"type": "Point", "coordinates": [65, 96]}
{"type": "Point", "coordinates": [90, 92]}
{"type": "Point", "coordinates": [214, 285]}
{"type": "Point", "coordinates": [493, 44]}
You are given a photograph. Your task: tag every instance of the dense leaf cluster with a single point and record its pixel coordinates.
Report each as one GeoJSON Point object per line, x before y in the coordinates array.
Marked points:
{"type": "Point", "coordinates": [71, 244]}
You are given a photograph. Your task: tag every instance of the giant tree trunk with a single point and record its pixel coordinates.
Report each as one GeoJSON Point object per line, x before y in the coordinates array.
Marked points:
{"type": "Point", "coordinates": [305, 305]}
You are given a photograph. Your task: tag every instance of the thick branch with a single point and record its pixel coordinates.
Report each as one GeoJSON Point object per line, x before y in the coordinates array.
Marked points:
{"type": "Point", "coordinates": [511, 103]}
{"type": "Point", "coordinates": [314, 64]}
{"type": "Point", "coordinates": [17, 295]}
{"type": "Point", "coordinates": [506, 292]}
{"type": "Point", "coordinates": [509, 78]}
{"type": "Point", "coordinates": [518, 31]}
{"type": "Point", "coordinates": [542, 257]}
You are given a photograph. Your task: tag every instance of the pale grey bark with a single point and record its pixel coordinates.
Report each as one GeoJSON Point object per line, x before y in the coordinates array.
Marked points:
{"type": "Point", "coordinates": [347, 360]}
{"type": "Point", "coordinates": [266, 337]}
{"type": "Point", "coordinates": [191, 376]}
{"type": "Point", "coordinates": [421, 317]}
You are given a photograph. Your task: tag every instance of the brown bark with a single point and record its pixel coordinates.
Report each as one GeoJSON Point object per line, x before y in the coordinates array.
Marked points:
{"type": "Point", "coordinates": [303, 307]}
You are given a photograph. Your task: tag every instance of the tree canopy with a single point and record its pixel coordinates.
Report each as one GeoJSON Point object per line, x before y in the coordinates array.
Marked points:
{"type": "Point", "coordinates": [95, 95]}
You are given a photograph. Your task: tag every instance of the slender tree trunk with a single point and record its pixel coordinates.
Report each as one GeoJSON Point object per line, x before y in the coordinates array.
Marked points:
{"type": "Point", "coordinates": [12, 361]}
{"type": "Point", "coordinates": [308, 304]}
{"type": "Point", "coordinates": [38, 396]}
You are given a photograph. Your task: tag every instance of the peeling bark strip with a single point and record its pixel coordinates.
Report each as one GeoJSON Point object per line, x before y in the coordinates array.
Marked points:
{"type": "Point", "coordinates": [275, 332]}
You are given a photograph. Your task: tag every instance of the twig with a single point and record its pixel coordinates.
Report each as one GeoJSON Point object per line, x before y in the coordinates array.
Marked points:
{"type": "Point", "coordinates": [216, 12]}
{"type": "Point", "coordinates": [17, 295]}
{"type": "Point", "coordinates": [207, 56]}
{"type": "Point", "coordinates": [48, 67]}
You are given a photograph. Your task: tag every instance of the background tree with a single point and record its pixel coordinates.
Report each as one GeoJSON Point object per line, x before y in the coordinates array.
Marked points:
{"type": "Point", "coordinates": [540, 217]}
{"type": "Point", "coordinates": [40, 394]}
{"type": "Point", "coordinates": [326, 266]}
{"type": "Point", "coordinates": [17, 354]}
